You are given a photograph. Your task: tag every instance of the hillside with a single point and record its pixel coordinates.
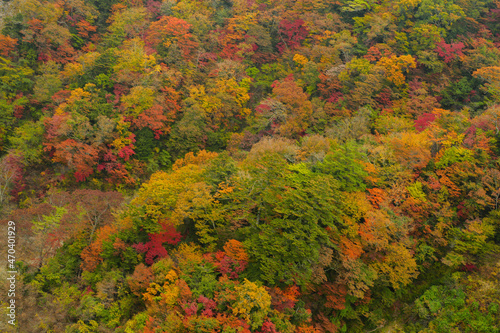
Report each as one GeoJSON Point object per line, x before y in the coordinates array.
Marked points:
{"type": "Point", "coordinates": [250, 166]}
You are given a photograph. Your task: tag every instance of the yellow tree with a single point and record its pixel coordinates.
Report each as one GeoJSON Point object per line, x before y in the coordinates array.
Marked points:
{"type": "Point", "coordinates": [174, 196]}
{"type": "Point", "coordinates": [399, 267]}
{"type": "Point", "coordinates": [395, 67]}
{"type": "Point", "coordinates": [253, 303]}
{"type": "Point", "coordinates": [492, 76]}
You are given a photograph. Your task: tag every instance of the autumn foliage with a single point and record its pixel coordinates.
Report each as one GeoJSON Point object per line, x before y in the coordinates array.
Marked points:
{"type": "Point", "coordinates": [252, 166]}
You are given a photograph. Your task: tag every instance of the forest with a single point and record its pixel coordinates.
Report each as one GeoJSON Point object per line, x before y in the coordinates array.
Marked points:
{"type": "Point", "coordinates": [240, 166]}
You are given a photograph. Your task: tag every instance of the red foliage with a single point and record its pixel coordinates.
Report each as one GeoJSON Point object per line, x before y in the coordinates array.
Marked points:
{"type": "Point", "coordinates": [153, 7]}
{"type": "Point", "coordinates": [226, 265]}
{"type": "Point", "coordinates": [15, 164]}
{"type": "Point", "coordinates": [449, 51]}
{"type": "Point", "coordinates": [384, 98]}
{"type": "Point", "coordinates": [292, 33]}
{"type": "Point", "coordinates": [168, 30]}
{"type": "Point", "coordinates": [64, 54]}
{"type": "Point", "coordinates": [119, 90]}
{"type": "Point", "coordinates": [206, 59]}
{"type": "Point", "coordinates": [330, 88]}
{"type": "Point", "coordinates": [153, 118]}
{"type": "Point", "coordinates": [422, 122]}
{"type": "Point", "coordinates": [18, 111]}
{"type": "Point", "coordinates": [284, 299]}
{"type": "Point", "coordinates": [230, 51]}
{"type": "Point", "coordinates": [77, 155]}
{"type": "Point", "coordinates": [53, 128]}
{"type": "Point", "coordinates": [263, 57]}
{"type": "Point", "coordinates": [126, 152]}
{"type": "Point", "coordinates": [154, 248]}
{"type": "Point", "coordinates": [209, 306]}
{"type": "Point", "coordinates": [468, 267]}
{"type": "Point", "coordinates": [191, 309]}
{"type": "Point", "coordinates": [268, 327]}
{"type": "Point", "coordinates": [61, 96]}
{"type": "Point", "coordinates": [462, 211]}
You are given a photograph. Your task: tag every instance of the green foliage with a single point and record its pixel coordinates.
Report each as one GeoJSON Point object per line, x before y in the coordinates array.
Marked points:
{"type": "Point", "coordinates": [344, 165]}
{"type": "Point", "coordinates": [416, 191]}
{"type": "Point", "coordinates": [375, 210]}
{"type": "Point", "coordinates": [447, 309]}
{"type": "Point", "coordinates": [27, 141]}
{"type": "Point", "coordinates": [455, 155]}
{"type": "Point", "coordinates": [14, 78]}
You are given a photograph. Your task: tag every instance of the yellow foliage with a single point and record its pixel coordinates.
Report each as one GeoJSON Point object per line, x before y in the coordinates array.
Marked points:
{"type": "Point", "coordinates": [188, 253]}
{"type": "Point", "coordinates": [171, 276]}
{"type": "Point", "coordinates": [72, 70]}
{"type": "Point", "coordinates": [159, 197]}
{"type": "Point", "coordinates": [394, 67]}
{"type": "Point", "coordinates": [163, 295]}
{"type": "Point", "coordinates": [492, 76]}
{"type": "Point", "coordinates": [412, 149]}
{"type": "Point", "coordinates": [78, 94]}
{"type": "Point", "coordinates": [222, 99]}
{"type": "Point", "coordinates": [133, 57]}
{"type": "Point", "coordinates": [197, 203]}
{"type": "Point", "coordinates": [138, 100]}
{"type": "Point", "coordinates": [300, 59]}
{"type": "Point", "coordinates": [399, 266]}
{"type": "Point", "coordinates": [253, 303]}
{"type": "Point", "coordinates": [407, 5]}
{"type": "Point", "coordinates": [452, 139]}
{"type": "Point", "coordinates": [202, 157]}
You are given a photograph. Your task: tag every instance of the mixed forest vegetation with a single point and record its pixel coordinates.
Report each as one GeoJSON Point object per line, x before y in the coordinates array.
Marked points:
{"type": "Point", "coordinates": [252, 165]}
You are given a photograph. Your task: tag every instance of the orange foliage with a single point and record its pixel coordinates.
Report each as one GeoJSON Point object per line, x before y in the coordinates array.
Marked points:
{"type": "Point", "coordinates": [352, 250]}
{"type": "Point", "coordinates": [171, 99]}
{"type": "Point", "coordinates": [77, 155]}
{"type": "Point", "coordinates": [335, 295]}
{"type": "Point", "coordinates": [169, 30]}
{"type": "Point", "coordinates": [235, 250]}
{"type": "Point", "coordinates": [184, 290]}
{"type": "Point", "coordinates": [376, 52]}
{"type": "Point", "coordinates": [298, 107]}
{"type": "Point", "coordinates": [84, 28]}
{"type": "Point", "coordinates": [7, 44]}
{"type": "Point", "coordinates": [284, 298]}
{"type": "Point", "coordinates": [453, 189]}
{"type": "Point", "coordinates": [140, 280]}
{"type": "Point", "coordinates": [154, 119]}
{"type": "Point", "coordinates": [306, 329]}
{"type": "Point", "coordinates": [230, 322]}
{"type": "Point", "coordinates": [376, 196]}
{"type": "Point", "coordinates": [201, 158]}
{"type": "Point", "coordinates": [412, 149]}
{"type": "Point", "coordinates": [325, 325]}
{"type": "Point", "coordinates": [115, 9]}
{"type": "Point", "coordinates": [91, 254]}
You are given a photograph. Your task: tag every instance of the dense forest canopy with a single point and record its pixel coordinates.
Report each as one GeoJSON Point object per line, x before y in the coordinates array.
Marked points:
{"type": "Point", "coordinates": [252, 165]}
